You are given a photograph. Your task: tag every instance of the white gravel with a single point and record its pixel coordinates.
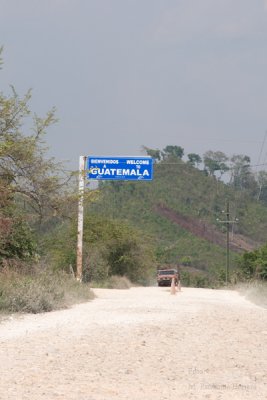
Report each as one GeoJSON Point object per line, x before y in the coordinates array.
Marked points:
{"type": "Point", "coordinates": [138, 344]}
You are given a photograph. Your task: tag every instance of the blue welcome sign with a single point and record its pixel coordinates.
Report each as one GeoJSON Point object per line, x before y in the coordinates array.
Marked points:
{"type": "Point", "coordinates": [120, 168]}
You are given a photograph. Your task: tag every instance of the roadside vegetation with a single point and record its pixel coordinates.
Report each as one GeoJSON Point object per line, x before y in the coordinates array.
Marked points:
{"type": "Point", "coordinates": [130, 228]}
{"type": "Point", "coordinates": [113, 282]}
{"type": "Point", "coordinates": [36, 194]}
{"type": "Point", "coordinates": [39, 290]}
{"type": "Point", "coordinates": [111, 247]}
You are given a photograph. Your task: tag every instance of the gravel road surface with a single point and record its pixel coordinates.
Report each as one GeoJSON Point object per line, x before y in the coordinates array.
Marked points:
{"type": "Point", "coordinates": [138, 344]}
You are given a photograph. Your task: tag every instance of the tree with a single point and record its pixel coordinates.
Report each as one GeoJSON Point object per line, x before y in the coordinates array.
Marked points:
{"type": "Point", "coordinates": [241, 175]}
{"type": "Point", "coordinates": [154, 153]}
{"type": "Point", "coordinates": [254, 264]}
{"type": "Point", "coordinates": [215, 161]}
{"type": "Point", "coordinates": [30, 183]}
{"type": "Point", "coordinates": [24, 169]}
{"type": "Point", "coordinates": [172, 152]}
{"type": "Point", "coordinates": [194, 159]}
{"type": "Point", "coordinates": [262, 186]}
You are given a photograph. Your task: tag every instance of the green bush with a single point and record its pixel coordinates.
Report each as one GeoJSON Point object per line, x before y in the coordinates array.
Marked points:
{"type": "Point", "coordinates": [186, 260]}
{"type": "Point", "coordinates": [110, 247]}
{"type": "Point", "coordinates": [221, 276]}
{"type": "Point", "coordinates": [254, 264]}
{"type": "Point", "coordinates": [18, 241]}
{"type": "Point", "coordinates": [185, 278]}
{"type": "Point", "coordinates": [194, 279]}
{"type": "Point", "coordinates": [200, 281]}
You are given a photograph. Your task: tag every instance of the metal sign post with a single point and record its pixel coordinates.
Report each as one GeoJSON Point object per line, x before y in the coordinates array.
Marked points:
{"type": "Point", "coordinates": [82, 163]}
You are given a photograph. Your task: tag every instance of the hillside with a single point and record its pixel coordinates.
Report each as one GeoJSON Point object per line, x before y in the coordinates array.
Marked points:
{"type": "Point", "coordinates": [180, 208]}
{"type": "Point", "coordinates": [206, 231]}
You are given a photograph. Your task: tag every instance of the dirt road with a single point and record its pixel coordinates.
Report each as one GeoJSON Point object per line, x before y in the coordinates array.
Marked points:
{"type": "Point", "coordinates": [138, 344]}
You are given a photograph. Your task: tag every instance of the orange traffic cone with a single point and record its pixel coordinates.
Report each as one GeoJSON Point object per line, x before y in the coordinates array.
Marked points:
{"type": "Point", "coordinates": [173, 288]}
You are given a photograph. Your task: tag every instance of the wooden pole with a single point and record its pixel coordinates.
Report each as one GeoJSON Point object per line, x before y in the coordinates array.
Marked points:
{"type": "Point", "coordinates": [79, 271]}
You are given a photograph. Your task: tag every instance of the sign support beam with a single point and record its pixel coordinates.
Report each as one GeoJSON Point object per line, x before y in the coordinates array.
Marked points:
{"type": "Point", "coordinates": [82, 162]}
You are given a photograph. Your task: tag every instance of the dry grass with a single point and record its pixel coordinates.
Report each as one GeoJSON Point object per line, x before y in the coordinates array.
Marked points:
{"type": "Point", "coordinates": [255, 291]}
{"type": "Point", "coordinates": [39, 291]}
{"type": "Point", "coordinates": [114, 282]}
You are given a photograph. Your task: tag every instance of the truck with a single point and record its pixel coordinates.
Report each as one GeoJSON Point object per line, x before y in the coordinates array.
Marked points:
{"type": "Point", "coordinates": [164, 276]}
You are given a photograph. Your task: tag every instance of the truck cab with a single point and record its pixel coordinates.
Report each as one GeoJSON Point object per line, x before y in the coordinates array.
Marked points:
{"type": "Point", "coordinates": [164, 276]}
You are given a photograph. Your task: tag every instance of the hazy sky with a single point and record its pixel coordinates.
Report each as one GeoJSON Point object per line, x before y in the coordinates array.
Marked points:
{"type": "Point", "coordinates": [127, 73]}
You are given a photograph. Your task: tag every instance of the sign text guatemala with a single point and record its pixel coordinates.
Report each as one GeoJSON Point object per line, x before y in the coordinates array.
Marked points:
{"type": "Point", "coordinates": [120, 168]}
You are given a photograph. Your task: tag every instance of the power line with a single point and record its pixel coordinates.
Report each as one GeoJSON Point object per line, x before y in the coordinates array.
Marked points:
{"type": "Point", "coordinates": [185, 165]}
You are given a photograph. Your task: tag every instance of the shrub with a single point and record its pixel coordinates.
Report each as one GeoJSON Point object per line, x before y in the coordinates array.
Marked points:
{"type": "Point", "coordinates": [113, 282]}
{"type": "Point", "coordinates": [195, 279]}
{"type": "Point", "coordinates": [186, 260]}
{"type": "Point", "coordinates": [39, 291]}
{"type": "Point", "coordinates": [185, 278]}
{"type": "Point", "coordinates": [118, 282]}
{"type": "Point", "coordinates": [110, 247]}
{"type": "Point", "coordinates": [254, 264]}
{"type": "Point", "coordinates": [95, 267]}
{"type": "Point", "coordinates": [200, 281]}
{"type": "Point", "coordinates": [16, 239]}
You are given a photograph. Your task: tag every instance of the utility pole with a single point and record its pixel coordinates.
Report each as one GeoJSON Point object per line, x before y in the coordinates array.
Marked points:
{"type": "Point", "coordinates": [227, 242]}
{"type": "Point", "coordinates": [227, 222]}
{"type": "Point", "coordinates": [79, 272]}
